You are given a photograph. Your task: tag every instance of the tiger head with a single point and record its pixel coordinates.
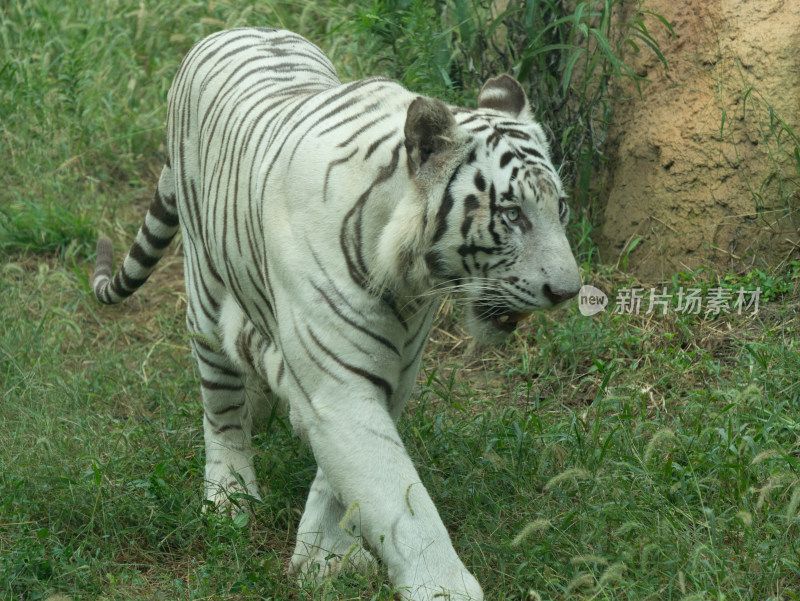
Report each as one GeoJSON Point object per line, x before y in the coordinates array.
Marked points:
{"type": "Point", "coordinates": [493, 209]}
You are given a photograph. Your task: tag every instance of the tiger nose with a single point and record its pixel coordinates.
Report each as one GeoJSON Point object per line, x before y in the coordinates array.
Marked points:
{"type": "Point", "coordinates": [558, 295]}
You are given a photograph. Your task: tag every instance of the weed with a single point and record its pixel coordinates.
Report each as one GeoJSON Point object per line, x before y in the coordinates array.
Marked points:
{"type": "Point", "coordinates": [565, 57]}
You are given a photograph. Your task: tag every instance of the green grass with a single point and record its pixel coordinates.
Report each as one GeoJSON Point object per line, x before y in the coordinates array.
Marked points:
{"type": "Point", "coordinates": [607, 457]}
{"type": "Point", "coordinates": [613, 457]}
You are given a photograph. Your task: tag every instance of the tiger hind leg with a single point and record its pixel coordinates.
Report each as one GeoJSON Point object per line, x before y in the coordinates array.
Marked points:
{"type": "Point", "coordinates": [227, 419]}
{"type": "Point", "coordinates": [227, 423]}
{"type": "Point", "coordinates": [328, 537]}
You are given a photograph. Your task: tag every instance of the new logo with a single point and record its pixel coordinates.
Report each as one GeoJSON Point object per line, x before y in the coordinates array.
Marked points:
{"type": "Point", "coordinates": [591, 300]}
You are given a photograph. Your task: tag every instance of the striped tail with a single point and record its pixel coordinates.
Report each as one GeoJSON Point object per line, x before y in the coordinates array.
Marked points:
{"type": "Point", "coordinates": [159, 228]}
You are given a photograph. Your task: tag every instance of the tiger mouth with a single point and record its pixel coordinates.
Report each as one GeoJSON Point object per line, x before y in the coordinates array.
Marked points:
{"type": "Point", "coordinates": [508, 322]}
{"type": "Point", "coordinates": [504, 320]}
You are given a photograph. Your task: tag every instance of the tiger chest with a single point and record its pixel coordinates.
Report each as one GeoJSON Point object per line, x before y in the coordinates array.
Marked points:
{"type": "Point", "coordinates": [311, 349]}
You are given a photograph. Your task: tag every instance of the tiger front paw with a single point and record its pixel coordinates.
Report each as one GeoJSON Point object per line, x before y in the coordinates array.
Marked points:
{"type": "Point", "coordinates": [459, 585]}
{"type": "Point", "coordinates": [317, 563]}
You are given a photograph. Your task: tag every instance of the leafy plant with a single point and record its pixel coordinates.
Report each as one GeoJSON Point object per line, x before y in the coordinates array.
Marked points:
{"type": "Point", "coordinates": [566, 56]}
{"type": "Point", "coordinates": [31, 226]}
{"type": "Point", "coordinates": [781, 186]}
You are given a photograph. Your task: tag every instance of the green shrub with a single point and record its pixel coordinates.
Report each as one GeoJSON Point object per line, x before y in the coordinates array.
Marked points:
{"type": "Point", "coordinates": [566, 56]}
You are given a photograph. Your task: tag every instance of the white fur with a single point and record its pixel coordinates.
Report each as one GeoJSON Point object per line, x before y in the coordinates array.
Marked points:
{"type": "Point", "coordinates": [326, 290]}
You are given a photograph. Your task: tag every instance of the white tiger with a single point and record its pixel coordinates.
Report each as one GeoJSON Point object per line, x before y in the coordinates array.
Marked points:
{"type": "Point", "coordinates": [322, 222]}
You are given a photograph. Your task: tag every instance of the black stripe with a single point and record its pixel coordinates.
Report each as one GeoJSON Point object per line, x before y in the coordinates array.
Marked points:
{"type": "Point", "coordinates": [441, 216]}
{"type": "Point", "coordinates": [311, 356]}
{"type": "Point", "coordinates": [220, 429]}
{"type": "Point", "coordinates": [208, 384]}
{"type": "Point", "coordinates": [376, 143]}
{"type": "Point", "coordinates": [138, 253]}
{"type": "Point", "coordinates": [157, 242]}
{"type": "Point", "coordinates": [372, 378]}
{"type": "Point", "coordinates": [350, 234]}
{"type": "Point", "coordinates": [159, 210]}
{"type": "Point", "coordinates": [533, 151]}
{"type": "Point", "coordinates": [125, 285]}
{"type": "Point", "coordinates": [331, 165]}
{"type": "Point", "coordinates": [446, 206]}
{"type": "Point", "coordinates": [384, 341]}
{"type": "Point", "coordinates": [228, 409]}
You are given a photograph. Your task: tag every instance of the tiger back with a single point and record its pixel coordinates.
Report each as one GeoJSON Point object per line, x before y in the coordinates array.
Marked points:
{"type": "Point", "coordinates": [322, 223]}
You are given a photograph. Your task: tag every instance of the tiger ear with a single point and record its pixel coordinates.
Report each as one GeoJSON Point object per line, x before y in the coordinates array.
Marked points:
{"type": "Point", "coordinates": [505, 94]}
{"type": "Point", "coordinates": [430, 128]}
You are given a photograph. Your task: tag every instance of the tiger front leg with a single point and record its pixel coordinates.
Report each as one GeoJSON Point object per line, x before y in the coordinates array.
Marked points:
{"type": "Point", "coordinates": [357, 447]}
{"type": "Point", "coordinates": [328, 537]}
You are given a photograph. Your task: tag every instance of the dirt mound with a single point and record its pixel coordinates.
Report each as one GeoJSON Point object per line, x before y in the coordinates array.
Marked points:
{"type": "Point", "coordinates": [702, 169]}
